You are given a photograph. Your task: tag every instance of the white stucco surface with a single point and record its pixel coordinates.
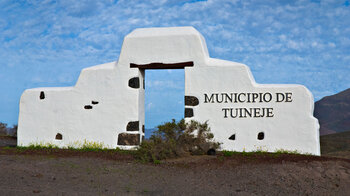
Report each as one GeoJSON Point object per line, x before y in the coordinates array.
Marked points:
{"type": "Point", "coordinates": [287, 124]}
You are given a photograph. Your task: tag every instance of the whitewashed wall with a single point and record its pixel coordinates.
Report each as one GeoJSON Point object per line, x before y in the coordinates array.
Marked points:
{"type": "Point", "coordinates": [289, 124]}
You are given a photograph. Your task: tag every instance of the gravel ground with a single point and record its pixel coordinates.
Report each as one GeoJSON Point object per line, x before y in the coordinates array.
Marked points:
{"type": "Point", "coordinates": [50, 175]}
{"type": "Point", "coordinates": [8, 141]}
{"type": "Point", "coordinates": [59, 172]}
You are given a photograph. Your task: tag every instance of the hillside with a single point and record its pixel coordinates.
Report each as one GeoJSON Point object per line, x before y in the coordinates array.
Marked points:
{"type": "Point", "coordinates": [337, 145]}
{"type": "Point", "coordinates": [333, 113]}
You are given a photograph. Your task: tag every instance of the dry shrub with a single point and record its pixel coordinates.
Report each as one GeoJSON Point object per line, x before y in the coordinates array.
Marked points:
{"type": "Point", "coordinates": [177, 139]}
{"type": "Point", "coordinates": [8, 131]}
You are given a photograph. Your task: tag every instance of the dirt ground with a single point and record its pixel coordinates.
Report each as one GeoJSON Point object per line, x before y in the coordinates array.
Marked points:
{"type": "Point", "coordinates": [92, 173]}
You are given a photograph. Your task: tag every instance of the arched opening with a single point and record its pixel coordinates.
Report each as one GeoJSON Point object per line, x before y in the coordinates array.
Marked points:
{"type": "Point", "coordinates": [58, 136]}
{"type": "Point", "coordinates": [42, 95]}
{"type": "Point", "coordinates": [261, 135]}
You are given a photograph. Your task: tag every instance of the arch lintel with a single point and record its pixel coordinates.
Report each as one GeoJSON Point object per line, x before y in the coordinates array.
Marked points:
{"type": "Point", "coordinates": [157, 65]}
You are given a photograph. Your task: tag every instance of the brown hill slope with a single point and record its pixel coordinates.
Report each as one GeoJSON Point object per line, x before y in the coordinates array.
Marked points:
{"type": "Point", "coordinates": [333, 113]}
{"type": "Point", "coordinates": [336, 145]}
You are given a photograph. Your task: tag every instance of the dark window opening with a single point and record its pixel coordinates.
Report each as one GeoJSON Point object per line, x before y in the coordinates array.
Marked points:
{"type": "Point", "coordinates": [132, 126]}
{"type": "Point", "coordinates": [58, 136]}
{"type": "Point", "coordinates": [191, 101]}
{"type": "Point", "coordinates": [261, 136]}
{"type": "Point", "coordinates": [94, 102]}
{"type": "Point", "coordinates": [134, 82]}
{"type": "Point", "coordinates": [42, 95]}
{"type": "Point", "coordinates": [232, 137]}
{"type": "Point", "coordinates": [88, 107]}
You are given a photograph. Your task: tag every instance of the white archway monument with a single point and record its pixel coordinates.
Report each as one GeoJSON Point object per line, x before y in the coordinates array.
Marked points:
{"type": "Point", "coordinates": [107, 103]}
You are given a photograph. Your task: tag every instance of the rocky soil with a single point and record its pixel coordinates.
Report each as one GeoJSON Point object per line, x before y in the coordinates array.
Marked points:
{"type": "Point", "coordinates": [59, 172]}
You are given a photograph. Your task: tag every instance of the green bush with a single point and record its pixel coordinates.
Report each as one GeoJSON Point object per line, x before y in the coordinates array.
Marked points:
{"type": "Point", "coordinates": [177, 139]}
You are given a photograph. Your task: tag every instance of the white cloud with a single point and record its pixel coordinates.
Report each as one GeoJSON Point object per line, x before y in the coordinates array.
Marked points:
{"type": "Point", "coordinates": [149, 106]}
{"type": "Point", "coordinates": [165, 84]}
{"type": "Point", "coordinates": [37, 79]}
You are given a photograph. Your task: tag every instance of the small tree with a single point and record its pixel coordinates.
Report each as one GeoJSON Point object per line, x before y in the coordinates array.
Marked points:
{"type": "Point", "coordinates": [3, 128]}
{"type": "Point", "coordinates": [176, 139]}
{"type": "Point", "coordinates": [13, 131]}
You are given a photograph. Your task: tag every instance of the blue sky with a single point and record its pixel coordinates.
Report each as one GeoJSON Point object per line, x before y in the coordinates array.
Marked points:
{"type": "Point", "coordinates": [46, 43]}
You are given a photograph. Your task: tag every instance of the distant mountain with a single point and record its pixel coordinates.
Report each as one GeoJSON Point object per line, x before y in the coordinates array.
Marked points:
{"type": "Point", "coordinates": [333, 113]}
